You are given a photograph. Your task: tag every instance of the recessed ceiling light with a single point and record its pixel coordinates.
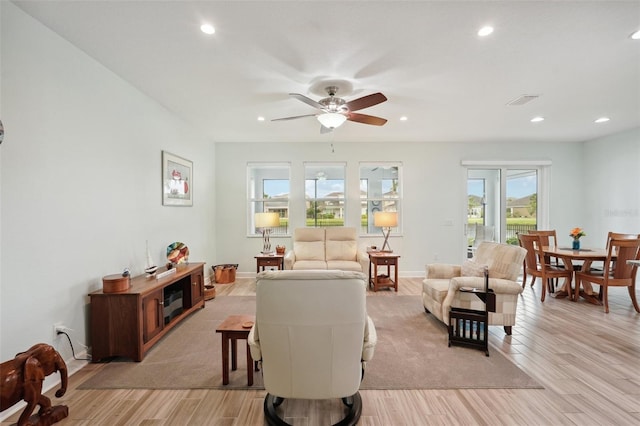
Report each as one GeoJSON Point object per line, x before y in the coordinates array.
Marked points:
{"type": "Point", "coordinates": [260, 118]}
{"type": "Point", "coordinates": [537, 119]}
{"type": "Point", "coordinates": [601, 120]}
{"type": "Point", "coordinates": [403, 118]}
{"type": "Point", "coordinates": [485, 31]}
{"type": "Point", "coordinates": [636, 35]}
{"type": "Point", "coordinates": [207, 29]}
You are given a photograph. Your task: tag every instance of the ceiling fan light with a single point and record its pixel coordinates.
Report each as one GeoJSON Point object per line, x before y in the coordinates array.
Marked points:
{"type": "Point", "coordinates": [207, 29]}
{"type": "Point", "coordinates": [485, 31]}
{"type": "Point", "coordinates": [331, 120]}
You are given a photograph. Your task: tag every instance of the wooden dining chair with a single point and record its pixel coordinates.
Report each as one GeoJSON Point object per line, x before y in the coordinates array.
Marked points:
{"type": "Point", "coordinates": [617, 272]}
{"type": "Point", "coordinates": [614, 236]}
{"type": "Point", "coordinates": [620, 236]}
{"type": "Point", "coordinates": [548, 237]}
{"type": "Point", "coordinates": [536, 266]}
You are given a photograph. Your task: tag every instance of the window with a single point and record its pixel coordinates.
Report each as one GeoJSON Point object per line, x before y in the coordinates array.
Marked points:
{"type": "Point", "coordinates": [380, 190]}
{"type": "Point", "coordinates": [324, 194]}
{"type": "Point", "coordinates": [268, 191]}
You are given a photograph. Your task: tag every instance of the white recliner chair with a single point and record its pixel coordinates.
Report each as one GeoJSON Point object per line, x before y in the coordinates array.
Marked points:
{"type": "Point", "coordinates": [313, 337]}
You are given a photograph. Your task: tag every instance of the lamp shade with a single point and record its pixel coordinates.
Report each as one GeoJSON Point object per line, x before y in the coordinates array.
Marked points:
{"type": "Point", "coordinates": [331, 120]}
{"type": "Point", "coordinates": [385, 219]}
{"type": "Point", "coordinates": [267, 220]}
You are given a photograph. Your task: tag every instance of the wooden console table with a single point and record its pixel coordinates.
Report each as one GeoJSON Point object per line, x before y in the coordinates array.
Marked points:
{"type": "Point", "coordinates": [129, 323]}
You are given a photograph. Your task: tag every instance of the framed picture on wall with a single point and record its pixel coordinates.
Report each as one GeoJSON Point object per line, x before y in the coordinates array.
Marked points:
{"type": "Point", "coordinates": [177, 180]}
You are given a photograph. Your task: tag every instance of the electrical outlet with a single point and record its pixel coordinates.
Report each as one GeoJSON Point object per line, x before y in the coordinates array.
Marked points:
{"type": "Point", "coordinates": [57, 329]}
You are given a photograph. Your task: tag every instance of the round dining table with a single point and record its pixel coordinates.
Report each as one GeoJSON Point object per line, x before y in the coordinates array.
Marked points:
{"type": "Point", "coordinates": [587, 256]}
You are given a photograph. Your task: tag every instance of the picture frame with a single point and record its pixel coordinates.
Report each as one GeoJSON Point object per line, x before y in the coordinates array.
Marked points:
{"type": "Point", "coordinates": [177, 180]}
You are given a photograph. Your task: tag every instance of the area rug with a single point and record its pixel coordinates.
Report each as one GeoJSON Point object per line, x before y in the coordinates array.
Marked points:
{"type": "Point", "coordinates": [412, 353]}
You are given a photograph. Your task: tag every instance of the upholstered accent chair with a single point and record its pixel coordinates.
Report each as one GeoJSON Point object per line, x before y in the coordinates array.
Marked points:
{"type": "Point", "coordinates": [442, 282]}
{"type": "Point", "coordinates": [326, 248]}
{"type": "Point", "coordinates": [313, 337]}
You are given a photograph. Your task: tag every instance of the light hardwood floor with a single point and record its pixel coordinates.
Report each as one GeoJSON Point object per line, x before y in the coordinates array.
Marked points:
{"type": "Point", "coordinates": [587, 361]}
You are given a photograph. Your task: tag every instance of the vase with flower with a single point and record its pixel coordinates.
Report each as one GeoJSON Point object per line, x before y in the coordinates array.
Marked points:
{"type": "Point", "coordinates": [576, 233]}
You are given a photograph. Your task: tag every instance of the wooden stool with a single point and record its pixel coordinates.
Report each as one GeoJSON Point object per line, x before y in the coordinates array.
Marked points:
{"type": "Point", "coordinates": [236, 327]}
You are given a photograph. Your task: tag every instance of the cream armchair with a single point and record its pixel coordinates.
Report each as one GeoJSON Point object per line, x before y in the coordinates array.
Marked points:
{"type": "Point", "coordinates": [312, 336]}
{"type": "Point", "coordinates": [326, 248]}
{"type": "Point", "coordinates": [442, 282]}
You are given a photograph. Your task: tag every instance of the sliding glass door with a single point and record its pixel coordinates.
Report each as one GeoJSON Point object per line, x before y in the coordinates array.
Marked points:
{"type": "Point", "coordinates": [501, 201]}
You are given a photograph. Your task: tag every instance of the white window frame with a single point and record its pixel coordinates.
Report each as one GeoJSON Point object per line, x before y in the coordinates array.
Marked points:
{"type": "Point", "coordinates": [312, 168]}
{"type": "Point", "coordinates": [376, 200]}
{"type": "Point", "coordinates": [256, 200]}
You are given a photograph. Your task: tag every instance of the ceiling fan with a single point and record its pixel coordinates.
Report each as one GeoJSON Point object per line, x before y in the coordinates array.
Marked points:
{"type": "Point", "coordinates": [336, 111]}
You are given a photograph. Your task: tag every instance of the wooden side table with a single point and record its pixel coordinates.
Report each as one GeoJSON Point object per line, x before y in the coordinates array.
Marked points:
{"type": "Point", "coordinates": [379, 258]}
{"type": "Point", "coordinates": [470, 327]}
{"type": "Point", "coordinates": [235, 327]}
{"type": "Point", "coordinates": [269, 261]}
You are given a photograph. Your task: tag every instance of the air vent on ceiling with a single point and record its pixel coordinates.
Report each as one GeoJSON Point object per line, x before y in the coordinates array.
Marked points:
{"type": "Point", "coordinates": [522, 99]}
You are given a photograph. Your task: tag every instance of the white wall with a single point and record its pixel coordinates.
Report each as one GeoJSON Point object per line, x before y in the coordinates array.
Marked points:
{"type": "Point", "coordinates": [433, 183]}
{"type": "Point", "coordinates": [81, 184]}
{"type": "Point", "coordinates": [611, 172]}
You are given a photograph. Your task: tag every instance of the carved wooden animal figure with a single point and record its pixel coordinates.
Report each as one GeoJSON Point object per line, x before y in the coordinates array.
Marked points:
{"type": "Point", "coordinates": [22, 378]}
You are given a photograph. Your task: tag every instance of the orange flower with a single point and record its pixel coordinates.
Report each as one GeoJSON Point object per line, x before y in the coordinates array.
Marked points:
{"type": "Point", "coordinates": [576, 233]}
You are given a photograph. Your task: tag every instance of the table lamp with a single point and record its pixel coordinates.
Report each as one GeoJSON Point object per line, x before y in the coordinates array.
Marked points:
{"type": "Point", "coordinates": [266, 221]}
{"type": "Point", "coordinates": [385, 220]}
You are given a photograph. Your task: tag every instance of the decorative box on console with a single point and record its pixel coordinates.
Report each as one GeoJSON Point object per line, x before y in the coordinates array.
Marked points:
{"type": "Point", "coordinates": [115, 283]}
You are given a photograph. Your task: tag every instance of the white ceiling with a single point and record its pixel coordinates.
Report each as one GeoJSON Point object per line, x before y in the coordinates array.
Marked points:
{"type": "Point", "coordinates": [425, 56]}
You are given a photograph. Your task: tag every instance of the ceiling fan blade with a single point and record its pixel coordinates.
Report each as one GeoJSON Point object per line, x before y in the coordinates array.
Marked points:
{"type": "Point", "coordinates": [294, 117]}
{"type": "Point", "coordinates": [366, 119]}
{"type": "Point", "coordinates": [307, 101]}
{"type": "Point", "coordinates": [366, 101]}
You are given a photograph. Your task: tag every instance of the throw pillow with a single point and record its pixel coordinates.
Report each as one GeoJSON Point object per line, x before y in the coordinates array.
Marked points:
{"type": "Point", "coordinates": [471, 269]}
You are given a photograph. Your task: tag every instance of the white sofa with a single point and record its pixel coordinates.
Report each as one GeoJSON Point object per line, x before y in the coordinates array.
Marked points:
{"type": "Point", "coordinates": [326, 248]}
{"type": "Point", "coordinates": [442, 282]}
